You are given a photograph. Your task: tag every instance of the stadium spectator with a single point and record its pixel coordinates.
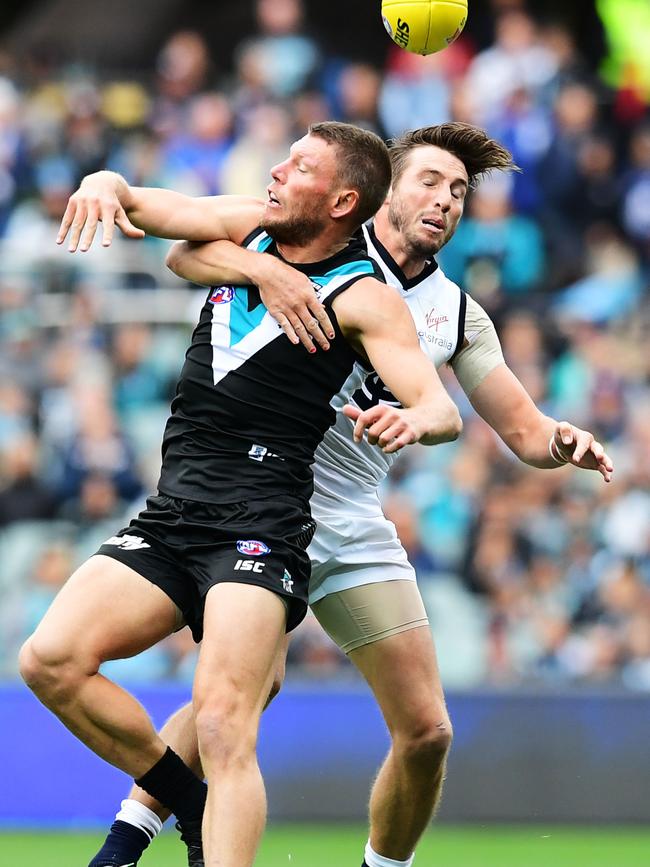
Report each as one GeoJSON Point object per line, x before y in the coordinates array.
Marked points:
{"type": "Point", "coordinates": [23, 495]}
{"type": "Point", "coordinates": [263, 142]}
{"type": "Point", "coordinates": [517, 58]}
{"type": "Point", "coordinates": [193, 157]}
{"type": "Point", "coordinates": [98, 446]}
{"type": "Point", "coordinates": [359, 86]}
{"type": "Point", "coordinates": [281, 58]}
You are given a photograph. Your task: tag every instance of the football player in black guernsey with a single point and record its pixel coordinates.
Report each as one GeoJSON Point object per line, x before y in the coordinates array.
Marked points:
{"type": "Point", "coordinates": [222, 545]}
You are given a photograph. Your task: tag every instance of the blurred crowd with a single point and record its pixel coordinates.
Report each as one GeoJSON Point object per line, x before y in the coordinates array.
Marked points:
{"type": "Point", "coordinates": [529, 576]}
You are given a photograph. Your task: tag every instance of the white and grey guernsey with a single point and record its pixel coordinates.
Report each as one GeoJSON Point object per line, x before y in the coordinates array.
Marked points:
{"type": "Point", "coordinates": [438, 308]}
{"type": "Point", "coordinates": [251, 407]}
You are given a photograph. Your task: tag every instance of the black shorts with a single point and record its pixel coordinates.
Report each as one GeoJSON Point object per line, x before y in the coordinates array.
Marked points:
{"type": "Point", "coordinates": [185, 548]}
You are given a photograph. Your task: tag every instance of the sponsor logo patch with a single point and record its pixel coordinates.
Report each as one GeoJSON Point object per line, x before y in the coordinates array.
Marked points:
{"type": "Point", "coordinates": [287, 582]}
{"type": "Point", "coordinates": [127, 543]}
{"type": "Point", "coordinates": [249, 565]}
{"type": "Point", "coordinates": [435, 319]}
{"type": "Point", "coordinates": [252, 548]}
{"type": "Point", "coordinates": [222, 294]}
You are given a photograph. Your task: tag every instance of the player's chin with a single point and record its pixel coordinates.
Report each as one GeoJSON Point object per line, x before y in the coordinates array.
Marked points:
{"type": "Point", "coordinates": [270, 216]}
{"type": "Point", "coordinates": [427, 244]}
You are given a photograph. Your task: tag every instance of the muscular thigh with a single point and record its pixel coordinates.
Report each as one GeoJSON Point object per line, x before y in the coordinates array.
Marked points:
{"type": "Point", "coordinates": [371, 612]}
{"type": "Point", "coordinates": [402, 672]}
{"type": "Point", "coordinates": [244, 637]}
{"type": "Point", "coordinates": [389, 640]}
{"type": "Point", "coordinates": [105, 611]}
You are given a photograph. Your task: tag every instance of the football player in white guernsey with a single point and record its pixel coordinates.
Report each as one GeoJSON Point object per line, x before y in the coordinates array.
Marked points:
{"type": "Point", "coordinates": [358, 563]}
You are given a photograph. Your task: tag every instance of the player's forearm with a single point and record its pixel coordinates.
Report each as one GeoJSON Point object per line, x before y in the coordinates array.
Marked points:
{"type": "Point", "coordinates": [438, 420]}
{"type": "Point", "coordinates": [211, 264]}
{"type": "Point", "coordinates": [416, 384]}
{"type": "Point", "coordinates": [502, 401]}
{"type": "Point", "coordinates": [530, 443]}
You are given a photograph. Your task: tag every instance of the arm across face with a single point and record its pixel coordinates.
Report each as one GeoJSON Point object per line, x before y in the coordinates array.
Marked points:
{"type": "Point", "coordinates": [378, 324]}
{"type": "Point", "coordinates": [287, 293]}
{"type": "Point", "coordinates": [106, 197]}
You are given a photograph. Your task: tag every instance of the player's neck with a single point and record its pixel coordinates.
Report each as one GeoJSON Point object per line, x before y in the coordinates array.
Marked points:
{"type": "Point", "coordinates": [315, 251]}
{"type": "Point", "coordinates": [394, 242]}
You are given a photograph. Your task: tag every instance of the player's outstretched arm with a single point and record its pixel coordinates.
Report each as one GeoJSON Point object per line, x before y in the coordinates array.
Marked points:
{"type": "Point", "coordinates": [535, 438]}
{"type": "Point", "coordinates": [377, 321]}
{"type": "Point", "coordinates": [106, 197]}
{"type": "Point", "coordinates": [287, 293]}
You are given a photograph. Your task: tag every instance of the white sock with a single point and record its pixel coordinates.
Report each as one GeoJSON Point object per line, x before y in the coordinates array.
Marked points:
{"type": "Point", "coordinates": [142, 817]}
{"type": "Point", "coordinates": [372, 859]}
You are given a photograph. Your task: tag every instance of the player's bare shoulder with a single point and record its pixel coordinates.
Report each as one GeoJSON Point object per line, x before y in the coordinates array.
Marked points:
{"type": "Point", "coordinates": [367, 302]}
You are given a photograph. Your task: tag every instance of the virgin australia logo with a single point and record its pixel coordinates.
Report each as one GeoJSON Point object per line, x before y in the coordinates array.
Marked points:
{"type": "Point", "coordinates": [433, 319]}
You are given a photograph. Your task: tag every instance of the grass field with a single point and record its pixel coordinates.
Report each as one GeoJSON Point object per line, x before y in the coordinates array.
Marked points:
{"type": "Point", "coordinates": [334, 846]}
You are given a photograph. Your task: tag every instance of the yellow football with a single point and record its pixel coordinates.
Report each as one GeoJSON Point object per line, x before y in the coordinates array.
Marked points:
{"type": "Point", "coordinates": [424, 26]}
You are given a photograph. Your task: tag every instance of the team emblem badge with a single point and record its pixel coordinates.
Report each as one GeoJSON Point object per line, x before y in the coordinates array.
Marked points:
{"type": "Point", "coordinates": [222, 294]}
{"type": "Point", "coordinates": [252, 548]}
{"type": "Point", "coordinates": [287, 582]}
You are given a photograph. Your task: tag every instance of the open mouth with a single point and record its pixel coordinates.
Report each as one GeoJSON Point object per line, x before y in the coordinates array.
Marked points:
{"type": "Point", "coordinates": [434, 224]}
{"type": "Point", "coordinates": [273, 200]}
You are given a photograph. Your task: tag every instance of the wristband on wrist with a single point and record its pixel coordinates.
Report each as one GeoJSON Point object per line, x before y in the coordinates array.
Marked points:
{"type": "Point", "coordinates": [555, 453]}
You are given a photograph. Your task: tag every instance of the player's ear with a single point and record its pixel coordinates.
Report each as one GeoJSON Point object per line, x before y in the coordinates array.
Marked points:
{"type": "Point", "coordinates": [345, 204]}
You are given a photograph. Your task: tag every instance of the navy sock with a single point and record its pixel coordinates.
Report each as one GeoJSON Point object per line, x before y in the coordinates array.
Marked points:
{"type": "Point", "coordinates": [171, 782]}
{"type": "Point", "coordinates": [123, 846]}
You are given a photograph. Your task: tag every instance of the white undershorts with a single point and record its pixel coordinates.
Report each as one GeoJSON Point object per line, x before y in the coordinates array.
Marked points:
{"type": "Point", "coordinates": [354, 544]}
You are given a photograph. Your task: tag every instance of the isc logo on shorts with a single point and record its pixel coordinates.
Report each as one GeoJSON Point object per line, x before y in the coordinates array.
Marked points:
{"type": "Point", "coordinates": [250, 565]}
{"type": "Point", "coordinates": [252, 548]}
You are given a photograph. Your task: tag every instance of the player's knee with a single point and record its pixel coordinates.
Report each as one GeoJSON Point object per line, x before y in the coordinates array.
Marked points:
{"type": "Point", "coordinates": [426, 743]}
{"type": "Point", "coordinates": [224, 728]}
{"type": "Point", "coordinates": [49, 670]}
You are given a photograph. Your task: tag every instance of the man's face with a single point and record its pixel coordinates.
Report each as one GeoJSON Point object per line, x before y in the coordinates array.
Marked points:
{"type": "Point", "coordinates": [304, 186]}
{"type": "Point", "coordinates": [427, 201]}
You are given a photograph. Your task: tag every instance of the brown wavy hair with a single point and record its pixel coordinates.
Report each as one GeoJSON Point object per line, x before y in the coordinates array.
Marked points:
{"type": "Point", "coordinates": [479, 153]}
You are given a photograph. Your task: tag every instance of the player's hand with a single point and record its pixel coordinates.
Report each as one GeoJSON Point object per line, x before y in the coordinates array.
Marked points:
{"type": "Point", "coordinates": [578, 447]}
{"type": "Point", "coordinates": [389, 427]}
{"type": "Point", "coordinates": [96, 199]}
{"type": "Point", "coordinates": [290, 297]}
